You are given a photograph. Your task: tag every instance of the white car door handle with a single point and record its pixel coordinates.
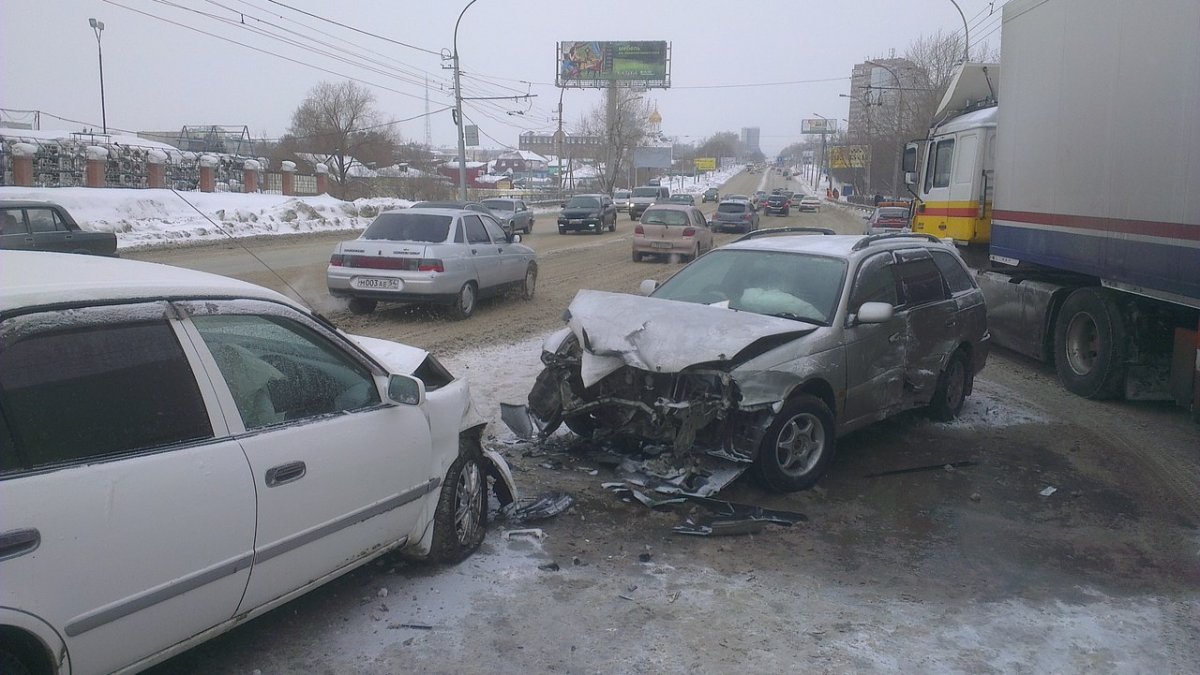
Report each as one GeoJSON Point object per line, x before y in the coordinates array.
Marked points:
{"type": "Point", "coordinates": [285, 473]}
{"type": "Point", "coordinates": [16, 543]}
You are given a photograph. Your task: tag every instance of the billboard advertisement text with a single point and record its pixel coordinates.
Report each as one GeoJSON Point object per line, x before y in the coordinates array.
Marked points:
{"type": "Point", "coordinates": [599, 64]}
{"type": "Point", "coordinates": [818, 126]}
{"type": "Point", "coordinates": [706, 163]}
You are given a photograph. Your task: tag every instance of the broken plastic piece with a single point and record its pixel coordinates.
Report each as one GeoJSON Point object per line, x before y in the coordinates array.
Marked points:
{"type": "Point", "coordinates": [516, 417]}
{"type": "Point", "coordinates": [719, 526]}
{"type": "Point", "coordinates": [532, 533]}
{"type": "Point", "coordinates": [733, 510]}
{"type": "Point", "coordinates": [547, 506]}
{"type": "Point", "coordinates": [1048, 491]}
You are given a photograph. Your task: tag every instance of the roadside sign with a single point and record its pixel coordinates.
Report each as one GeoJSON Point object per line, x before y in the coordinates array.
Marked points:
{"type": "Point", "coordinates": [706, 163]}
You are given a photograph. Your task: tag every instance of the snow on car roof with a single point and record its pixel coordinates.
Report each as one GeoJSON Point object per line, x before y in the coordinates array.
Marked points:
{"type": "Point", "coordinates": [822, 244]}
{"type": "Point", "coordinates": [29, 279]}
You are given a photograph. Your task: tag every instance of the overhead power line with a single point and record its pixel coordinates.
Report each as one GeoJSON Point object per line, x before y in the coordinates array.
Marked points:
{"type": "Point", "coordinates": [356, 30]}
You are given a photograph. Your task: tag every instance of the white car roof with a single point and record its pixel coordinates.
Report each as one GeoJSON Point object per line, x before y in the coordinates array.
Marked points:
{"type": "Point", "coordinates": [30, 279]}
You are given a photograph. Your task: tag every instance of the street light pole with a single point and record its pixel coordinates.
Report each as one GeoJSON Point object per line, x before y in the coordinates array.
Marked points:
{"type": "Point", "coordinates": [966, 32]}
{"type": "Point", "coordinates": [97, 28]}
{"type": "Point", "coordinates": [458, 111]}
{"type": "Point", "coordinates": [899, 121]}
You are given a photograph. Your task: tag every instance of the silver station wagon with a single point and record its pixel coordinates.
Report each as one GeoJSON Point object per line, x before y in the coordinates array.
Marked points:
{"type": "Point", "coordinates": [450, 257]}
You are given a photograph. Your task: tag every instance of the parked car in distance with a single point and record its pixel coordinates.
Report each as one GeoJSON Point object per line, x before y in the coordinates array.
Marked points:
{"type": "Point", "coordinates": [778, 205]}
{"type": "Point", "coordinates": [711, 195]}
{"type": "Point", "coordinates": [621, 200]}
{"type": "Point", "coordinates": [587, 213]}
{"type": "Point", "coordinates": [450, 257]}
{"type": "Point", "coordinates": [810, 203]}
{"type": "Point", "coordinates": [184, 452]}
{"type": "Point", "coordinates": [887, 219]}
{"type": "Point", "coordinates": [736, 215]}
{"type": "Point", "coordinates": [672, 229]}
{"type": "Point", "coordinates": [46, 226]}
{"type": "Point", "coordinates": [681, 198]}
{"type": "Point", "coordinates": [470, 206]}
{"type": "Point", "coordinates": [645, 196]}
{"type": "Point", "coordinates": [770, 348]}
{"type": "Point", "coordinates": [514, 214]}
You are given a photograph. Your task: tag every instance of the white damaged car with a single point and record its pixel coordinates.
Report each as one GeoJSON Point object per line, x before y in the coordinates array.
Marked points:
{"type": "Point", "coordinates": [181, 452]}
{"type": "Point", "coordinates": [769, 349]}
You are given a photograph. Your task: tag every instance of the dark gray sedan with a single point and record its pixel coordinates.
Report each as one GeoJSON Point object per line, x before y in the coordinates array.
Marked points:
{"type": "Point", "coordinates": [45, 226]}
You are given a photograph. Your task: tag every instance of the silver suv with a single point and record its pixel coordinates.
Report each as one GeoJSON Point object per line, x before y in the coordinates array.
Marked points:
{"type": "Point", "coordinates": [768, 349]}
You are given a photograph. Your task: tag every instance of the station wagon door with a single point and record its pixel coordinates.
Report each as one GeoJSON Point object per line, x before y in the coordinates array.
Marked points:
{"type": "Point", "coordinates": [875, 353]}
{"type": "Point", "coordinates": [933, 322]}
{"type": "Point", "coordinates": [339, 470]}
{"type": "Point", "coordinates": [126, 510]}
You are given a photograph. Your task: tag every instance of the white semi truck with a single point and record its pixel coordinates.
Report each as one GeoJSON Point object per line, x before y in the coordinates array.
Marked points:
{"type": "Point", "coordinates": [1073, 167]}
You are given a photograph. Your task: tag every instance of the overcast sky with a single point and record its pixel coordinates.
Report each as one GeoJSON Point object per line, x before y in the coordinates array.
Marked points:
{"type": "Point", "coordinates": [160, 75]}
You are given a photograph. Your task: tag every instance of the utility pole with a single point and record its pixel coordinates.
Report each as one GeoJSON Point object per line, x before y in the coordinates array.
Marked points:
{"type": "Point", "coordinates": [97, 28]}
{"type": "Point", "coordinates": [613, 152]}
{"type": "Point", "coordinates": [558, 142]}
{"type": "Point", "coordinates": [458, 112]}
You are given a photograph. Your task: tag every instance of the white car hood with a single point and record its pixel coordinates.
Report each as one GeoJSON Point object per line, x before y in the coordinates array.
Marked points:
{"type": "Point", "coordinates": [617, 329]}
{"type": "Point", "coordinates": [398, 358]}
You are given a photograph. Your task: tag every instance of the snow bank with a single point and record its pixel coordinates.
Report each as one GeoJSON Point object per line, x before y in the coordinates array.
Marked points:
{"type": "Point", "coordinates": [151, 217]}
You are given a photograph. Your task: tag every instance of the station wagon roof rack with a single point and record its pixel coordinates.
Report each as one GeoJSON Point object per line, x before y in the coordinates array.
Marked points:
{"type": "Point", "coordinates": [871, 239]}
{"type": "Point", "coordinates": [784, 230]}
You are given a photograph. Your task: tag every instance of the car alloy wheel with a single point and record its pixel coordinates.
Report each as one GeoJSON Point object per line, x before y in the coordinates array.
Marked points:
{"type": "Point", "coordinates": [798, 445]}
{"type": "Point", "coordinates": [464, 304]}
{"type": "Point", "coordinates": [530, 285]}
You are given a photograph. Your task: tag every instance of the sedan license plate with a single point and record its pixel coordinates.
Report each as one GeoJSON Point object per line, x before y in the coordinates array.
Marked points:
{"type": "Point", "coordinates": [576, 222]}
{"type": "Point", "coordinates": [661, 244]}
{"type": "Point", "coordinates": [376, 284]}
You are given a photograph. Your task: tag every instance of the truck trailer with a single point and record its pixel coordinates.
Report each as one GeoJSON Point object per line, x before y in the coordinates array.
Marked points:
{"type": "Point", "coordinates": [1069, 174]}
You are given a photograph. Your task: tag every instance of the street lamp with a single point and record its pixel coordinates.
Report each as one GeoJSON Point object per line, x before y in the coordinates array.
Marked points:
{"type": "Point", "coordinates": [822, 165]}
{"type": "Point", "coordinates": [899, 120]}
{"type": "Point", "coordinates": [97, 28]}
{"type": "Point", "coordinates": [462, 142]}
{"type": "Point", "coordinates": [966, 32]}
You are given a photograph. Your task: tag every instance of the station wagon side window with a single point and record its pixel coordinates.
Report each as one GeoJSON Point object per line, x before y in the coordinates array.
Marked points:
{"type": "Point", "coordinates": [476, 234]}
{"type": "Point", "coordinates": [45, 220]}
{"type": "Point", "coordinates": [279, 370]}
{"type": "Point", "coordinates": [80, 391]}
{"type": "Point", "coordinates": [876, 282]}
{"type": "Point", "coordinates": [956, 276]}
{"type": "Point", "coordinates": [920, 281]}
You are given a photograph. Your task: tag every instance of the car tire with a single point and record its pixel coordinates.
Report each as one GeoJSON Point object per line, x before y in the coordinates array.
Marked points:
{"type": "Point", "coordinates": [460, 519]}
{"type": "Point", "coordinates": [612, 227]}
{"type": "Point", "coordinates": [952, 388]}
{"type": "Point", "coordinates": [529, 286]}
{"type": "Point", "coordinates": [362, 305]}
{"type": "Point", "coordinates": [1091, 344]}
{"type": "Point", "coordinates": [11, 664]}
{"type": "Point", "coordinates": [562, 230]}
{"type": "Point", "coordinates": [695, 252]}
{"type": "Point", "coordinates": [782, 466]}
{"type": "Point", "coordinates": [464, 304]}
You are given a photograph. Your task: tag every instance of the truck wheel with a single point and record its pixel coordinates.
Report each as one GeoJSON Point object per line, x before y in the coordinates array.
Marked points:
{"type": "Point", "coordinates": [798, 446]}
{"type": "Point", "coordinates": [1091, 344]}
{"type": "Point", "coordinates": [362, 305]}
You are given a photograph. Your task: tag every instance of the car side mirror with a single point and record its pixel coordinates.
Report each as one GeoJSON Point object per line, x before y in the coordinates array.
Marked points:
{"type": "Point", "coordinates": [405, 390]}
{"type": "Point", "coordinates": [514, 238]}
{"type": "Point", "coordinates": [874, 312]}
{"type": "Point", "coordinates": [562, 205]}
{"type": "Point", "coordinates": [647, 286]}
{"type": "Point", "coordinates": [910, 178]}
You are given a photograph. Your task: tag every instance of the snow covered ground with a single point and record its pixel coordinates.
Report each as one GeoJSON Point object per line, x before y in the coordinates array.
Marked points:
{"type": "Point", "coordinates": [143, 218]}
{"type": "Point", "coordinates": [153, 217]}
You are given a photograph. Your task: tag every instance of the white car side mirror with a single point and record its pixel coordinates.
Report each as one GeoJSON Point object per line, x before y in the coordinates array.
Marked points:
{"type": "Point", "coordinates": [874, 312]}
{"type": "Point", "coordinates": [405, 390]}
{"type": "Point", "coordinates": [647, 286]}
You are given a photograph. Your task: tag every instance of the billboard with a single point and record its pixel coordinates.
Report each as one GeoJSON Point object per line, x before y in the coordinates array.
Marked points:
{"type": "Point", "coordinates": [818, 125]}
{"type": "Point", "coordinates": [586, 65]}
{"type": "Point", "coordinates": [471, 135]}
{"type": "Point", "coordinates": [706, 163]}
{"type": "Point", "coordinates": [849, 156]}
{"type": "Point", "coordinates": [653, 157]}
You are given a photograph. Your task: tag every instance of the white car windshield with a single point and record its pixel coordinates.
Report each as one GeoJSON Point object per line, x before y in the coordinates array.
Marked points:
{"type": "Point", "coordinates": [790, 285]}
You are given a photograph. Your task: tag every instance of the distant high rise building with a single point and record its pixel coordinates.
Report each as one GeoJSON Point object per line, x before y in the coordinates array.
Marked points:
{"type": "Point", "coordinates": [877, 91]}
{"type": "Point", "coordinates": [750, 139]}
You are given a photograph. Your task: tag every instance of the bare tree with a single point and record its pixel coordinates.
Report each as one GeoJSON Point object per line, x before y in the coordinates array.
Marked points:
{"type": "Point", "coordinates": [720, 144]}
{"type": "Point", "coordinates": [630, 127]}
{"type": "Point", "coordinates": [936, 56]}
{"type": "Point", "coordinates": [339, 123]}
